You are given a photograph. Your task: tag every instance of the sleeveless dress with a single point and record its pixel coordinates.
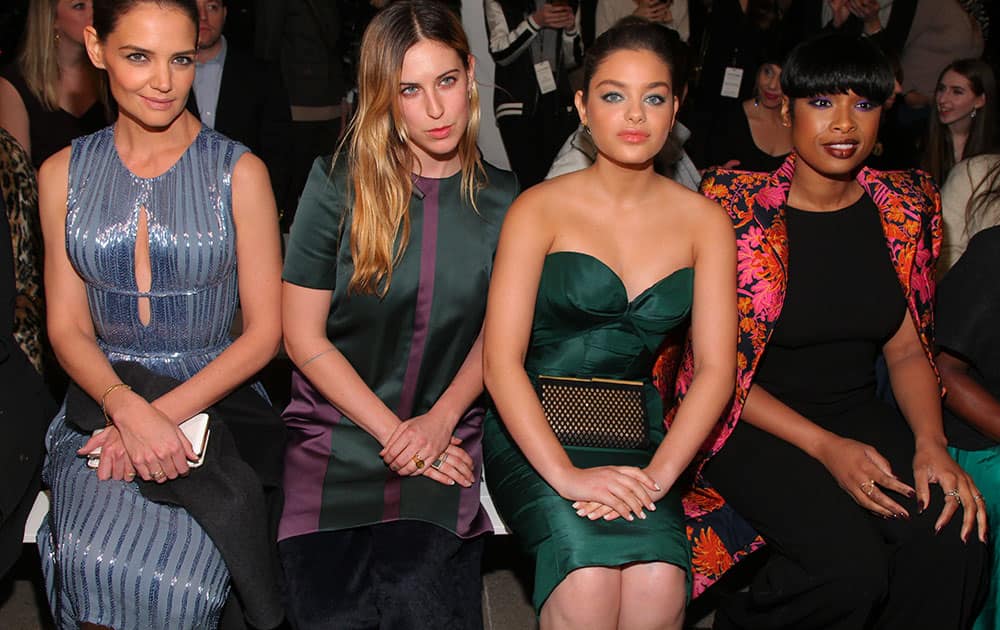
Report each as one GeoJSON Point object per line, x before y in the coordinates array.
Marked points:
{"type": "Point", "coordinates": [585, 326]}
{"type": "Point", "coordinates": [110, 556]}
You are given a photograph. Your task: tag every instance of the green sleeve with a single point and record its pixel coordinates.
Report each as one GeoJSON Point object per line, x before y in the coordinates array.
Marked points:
{"type": "Point", "coordinates": [313, 244]}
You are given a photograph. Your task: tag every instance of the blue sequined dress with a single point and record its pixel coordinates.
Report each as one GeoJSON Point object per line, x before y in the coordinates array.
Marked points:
{"type": "Point", "coordinates": [111, 557]}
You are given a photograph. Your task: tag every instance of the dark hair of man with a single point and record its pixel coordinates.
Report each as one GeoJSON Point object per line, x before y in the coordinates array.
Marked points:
{"type": "Point", "coordinates": [634, 33]}
{"type": "Point", "coordinates": [837, 63]}
{"type": "Point", "coordinates": [108, 12]}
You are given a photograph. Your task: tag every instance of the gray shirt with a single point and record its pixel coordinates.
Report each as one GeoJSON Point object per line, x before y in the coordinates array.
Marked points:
{"type": "Point", "coordinates": [207, 79]}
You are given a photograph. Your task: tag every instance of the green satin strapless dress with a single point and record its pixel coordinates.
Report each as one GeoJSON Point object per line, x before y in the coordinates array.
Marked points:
{"type": "Point", "coordinates": [585, 326]}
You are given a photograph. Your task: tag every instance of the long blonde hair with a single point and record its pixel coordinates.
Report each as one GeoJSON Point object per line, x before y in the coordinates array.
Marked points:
{"type": "Point", "coordinates": [380, 160]}
{"type": "Point", "coordinates": [38, 60]}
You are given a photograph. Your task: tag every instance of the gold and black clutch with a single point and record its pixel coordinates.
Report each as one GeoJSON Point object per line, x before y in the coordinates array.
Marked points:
{"type": "Point", "coordinates": [595, 412]}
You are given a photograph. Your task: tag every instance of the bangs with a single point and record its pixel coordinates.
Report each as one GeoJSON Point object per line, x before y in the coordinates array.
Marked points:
{"type": "Point", "coordinates": [838, 64]}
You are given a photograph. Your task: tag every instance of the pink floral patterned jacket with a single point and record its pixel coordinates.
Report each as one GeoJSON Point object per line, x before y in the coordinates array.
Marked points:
{"type": "Point", "coordinates": [911, 220]}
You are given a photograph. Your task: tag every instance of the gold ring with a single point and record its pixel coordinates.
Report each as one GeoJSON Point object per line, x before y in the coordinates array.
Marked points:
{"type": "Point", "coordinates": [954, 493]}
{"type": "Point", "coordinates": [868, 487]}
{"type": "Point", "coordinates": [419, 463]}
{"type": "Point", "coordinates": [156, 474]}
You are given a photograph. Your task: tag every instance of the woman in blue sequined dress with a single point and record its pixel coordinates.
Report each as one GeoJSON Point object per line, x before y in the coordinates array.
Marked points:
{"type": "Point", "coordinates": [146, 223]}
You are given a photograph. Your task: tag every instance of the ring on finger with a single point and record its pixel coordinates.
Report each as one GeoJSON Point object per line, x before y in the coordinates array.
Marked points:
{"type": "Point", "coordinates": [156, 474]}
{"type": "Point", "coordinates": [978, 497]}
{"type": "Point", "coordinates": [868, 487]}
{"type": "Point", "coordinates": [954, 493]}
{"type": "Point", "coordinates": [437, 463]}
{"type": "Point", "coordinates": [419, 463]}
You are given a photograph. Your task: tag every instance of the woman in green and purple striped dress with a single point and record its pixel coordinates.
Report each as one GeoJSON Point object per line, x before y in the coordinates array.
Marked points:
{"type": "Point", "coordinates": [386, 275]}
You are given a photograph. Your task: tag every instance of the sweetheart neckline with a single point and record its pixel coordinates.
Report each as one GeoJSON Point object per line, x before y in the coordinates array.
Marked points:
{"type": "Point", "coordinates": [621, 283]}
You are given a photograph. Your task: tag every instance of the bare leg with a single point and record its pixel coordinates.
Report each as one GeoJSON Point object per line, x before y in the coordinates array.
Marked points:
{"type": "Point", "coordinates": [586, 598]}
{"type": "Point", "coordinates": [653, 597]}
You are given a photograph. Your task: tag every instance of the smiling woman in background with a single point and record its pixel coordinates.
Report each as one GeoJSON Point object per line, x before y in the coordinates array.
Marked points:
{"type": "Point", "coordinates": [963, 121]}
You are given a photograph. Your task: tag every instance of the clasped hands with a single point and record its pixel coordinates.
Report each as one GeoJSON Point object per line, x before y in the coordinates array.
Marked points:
{"type": "Point", "coordinates": [427, 440]}
{"type": "Point", "coordinates": [143, 441]}
{"type": "Point", "coordinates": [610, 492]}
{"type": "Point", "coordinates": [866, 475]}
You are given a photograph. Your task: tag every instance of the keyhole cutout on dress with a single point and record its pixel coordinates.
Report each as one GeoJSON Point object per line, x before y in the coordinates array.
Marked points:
{"type": "Point", "coordinates": [143, 267]}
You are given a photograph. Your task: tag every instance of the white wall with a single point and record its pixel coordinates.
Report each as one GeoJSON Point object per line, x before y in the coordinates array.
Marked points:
{"type": "Point", "coordinates": [475, 27]}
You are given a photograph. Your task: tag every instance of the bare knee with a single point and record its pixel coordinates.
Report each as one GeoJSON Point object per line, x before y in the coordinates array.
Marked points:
{"type": "Point", "coordinates": [586, 598]}
{"type": "Point", "coordinates": [653, 596]}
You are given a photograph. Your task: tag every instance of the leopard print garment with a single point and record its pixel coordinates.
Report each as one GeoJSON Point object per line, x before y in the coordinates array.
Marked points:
{"type": "Point", "coordinates": [20, 197]}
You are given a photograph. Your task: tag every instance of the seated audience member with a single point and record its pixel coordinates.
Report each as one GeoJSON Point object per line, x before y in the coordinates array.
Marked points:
{"type": "Point", "coordinates": [534, 48]}
{"type": "Point", "coordinates": [385, 282]}
{"type": "Point", "coordinates": [579, 150]}
{"type": "Point", "coordinates": [51, 93]}
{"type": "Point", "coordinates": [737, 32]}
{"type": "Point", "coordinates": [887, 22]}
{"type": "Point", "coordinates": [156, 229]}
{"type": "Point", "coordinates": [685, 17]}
{"type": "Point", "coordinates": [963, 124]}
{"type": "Point", "coordinates": [870, 521]}
{"type": "Point", "coordinates": [24, 409]}
{"type": "Point", "coordinates": [968, 346]}
{"type": "Point", "coordinates": [940, 32]}
{"type": "Point", "coordinates": [19, 190]}
{"type": "Point", "coordinates": [239, 96]}
{"type": "Point", "coordinates": [594, 271]}
{"type": "Point", "coordinates": [303, 38]}
{"type": "Point", "coordinates": [970, 202]}
{"type": "Point", "coordinates": [751, 135]}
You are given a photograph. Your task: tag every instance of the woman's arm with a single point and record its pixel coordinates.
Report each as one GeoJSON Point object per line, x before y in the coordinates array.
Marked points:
{"type": "Point", "coordinates": [713, 336]}
{"type": "Point", "coordinates": [916, 390]}
{"type": "Point", "coordinates": [161, 448]}
{"type": "Point", "coordinates": [525, 240]}
{"type": "Point", "coordinates": [14, 115]}
{"type": "Point", "coordinates": [966, 397]}
{"type": "Point", "coordinates": [258, 260]}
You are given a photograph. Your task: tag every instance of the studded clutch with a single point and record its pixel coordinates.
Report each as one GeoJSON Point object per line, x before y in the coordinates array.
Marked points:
{"type": "Point", "coordinates": [597, 413]}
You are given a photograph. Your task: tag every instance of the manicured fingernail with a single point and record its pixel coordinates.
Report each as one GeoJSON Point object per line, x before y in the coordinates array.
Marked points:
{"type": "Point", "coordinates": [576, 505]}
{"type": "Point", "coordinates": [630, 517]}
{"type": "Point", "coordinates": [451, 482]}
{"type": "Point", "coordinates": [920, 506]}
{"type": "Point", "coordinates": [580, 512]}
{"type": "Point", "coordinates": [652, 507]}
{"type": "Point", "coordinates": [592, 517]}
{"type": "Point", "coordinates": [903, 515]}
{"type": "Point", "coordinates": [937, 530]}
{"type": "Point", "coordinates": [911, 493]}
{"type": "Point", "coordinates": [658, 488]}
{"type": "Point", "coordinates": [965, 538]}
{"type": "Point", "coordinates": [642, 515]}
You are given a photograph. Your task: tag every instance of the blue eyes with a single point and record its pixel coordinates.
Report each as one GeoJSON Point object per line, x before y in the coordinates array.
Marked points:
{"type": "Point", "coordinates": [445, 82]}
{"type": "Point", "coordinates": [617, 97]}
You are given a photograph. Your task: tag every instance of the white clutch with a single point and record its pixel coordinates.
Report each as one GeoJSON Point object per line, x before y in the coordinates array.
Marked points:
{"type": "Point", "coordinates": [195, 429]}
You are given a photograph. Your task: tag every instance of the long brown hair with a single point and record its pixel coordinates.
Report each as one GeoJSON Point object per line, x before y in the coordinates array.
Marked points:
{"type": "Point", "coordinates": [381, 162]}
{"type": "Point", "coordinates": [939, 157]}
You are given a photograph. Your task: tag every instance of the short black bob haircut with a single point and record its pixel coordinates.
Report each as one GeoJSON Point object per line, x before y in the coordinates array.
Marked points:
{"type": "Point", "coordinates": [837, 64]}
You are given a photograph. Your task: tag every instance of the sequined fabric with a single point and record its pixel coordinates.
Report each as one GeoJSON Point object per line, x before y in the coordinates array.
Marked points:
{"type": "Point", "coordinates": [109, 556]}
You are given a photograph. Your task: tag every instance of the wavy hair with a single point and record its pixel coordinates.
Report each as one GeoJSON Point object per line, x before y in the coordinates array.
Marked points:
{"type": "Point", "coordinates": [380, 160]}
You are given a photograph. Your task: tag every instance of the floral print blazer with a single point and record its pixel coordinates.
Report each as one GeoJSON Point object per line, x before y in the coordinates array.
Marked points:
{"type": "Point", "coordinates": [911, 220]}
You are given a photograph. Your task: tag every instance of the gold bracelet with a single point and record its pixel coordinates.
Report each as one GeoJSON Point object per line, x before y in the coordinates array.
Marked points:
{"type": "Point", "coordinates": [104, 400]}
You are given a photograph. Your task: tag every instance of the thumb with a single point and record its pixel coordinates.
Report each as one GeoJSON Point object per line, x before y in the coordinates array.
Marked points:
{"type": "Point", "coordinates": [92, 444]}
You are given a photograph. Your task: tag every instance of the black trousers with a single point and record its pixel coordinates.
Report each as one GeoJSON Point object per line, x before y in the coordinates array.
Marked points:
{"type": "Point", "coordinates": [532, 142]}
{"type": "Point", "coordinates": [835, 564]}
{"type": "Point", "coordinates": [389, 576]}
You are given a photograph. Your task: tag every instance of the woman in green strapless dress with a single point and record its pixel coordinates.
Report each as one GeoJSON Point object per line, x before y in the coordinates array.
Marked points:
{"type": "Point", "coordinates": [593, 270]}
